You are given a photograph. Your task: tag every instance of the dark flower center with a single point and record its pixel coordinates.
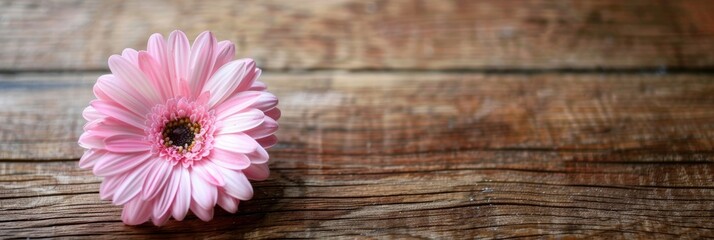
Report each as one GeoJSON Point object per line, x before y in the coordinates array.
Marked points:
{"type": "Point", "coordinates": [180, 133]}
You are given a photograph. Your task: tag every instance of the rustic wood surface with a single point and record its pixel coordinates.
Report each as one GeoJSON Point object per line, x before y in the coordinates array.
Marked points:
{"type": "Point", "coordinates": [394, 34]}
{"type": "Point", "coordinates": [401, 119]}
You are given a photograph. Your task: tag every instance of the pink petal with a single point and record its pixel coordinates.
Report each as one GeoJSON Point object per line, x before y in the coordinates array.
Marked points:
{"type": "Point", "coordinates": [202, 192]}
{"type": "Point", "coordinates": [90, 140]}
{"type": "Point", "coordinates": [130, 55]}
{"type": "Point", "coordinates": [136, 212]}
{"type": "Point", "coordinates": [236, 103]}
{"type": "Point", "coordinates": [227, 202]}
{"type": "Point", "coordinates": [258, 172]}
{"type": "Point", "coordinates": [273, 113]}
{"type": "Point", "coordinates": [207, 170]}
{"type": "Point", "coordinates": [225, 51]}
{"type": "Point", "coordinates": [91, 114]}
{"type": "Point", "coordinates": [157, 76]}
{"type": "Point", "coordinates": [259, 156]}
{"type": "Point", "coordinates": [265, 102]}
{"type": "Point", "coordinates": [268, 142]}
{"type": "Point", "coordinates": [118, 112]}
{"type": "Point", "coordinates": [249, 80]}
{"type": "Point", "coordinates": [90, 157]}
{"type": "Point", "coordinates": [242, 121]}
{"type": "Point", "coordinates": [131, 186]}
{"type": "Point", "coordinates": [228, 78]}
{"type": "Point", "coordinates": [156, 47]}
{"type": "Point", "coordinates": [123, 95]}
{"type": "Point", "coordinates": [267, 128]}
{"type": "Point", "coordinates": [230, 160]}
{"type": "Point", "coordinates": [201, 61]}
{"type": "Point", "coordinates": [156, 179]}
{"type": "Point", "coordinates": [163, 203]}
{"type": "Point", "coordinates": [203, 214]}
{"type": "Point", "coordinates": [111, 126]}
{"type": "Point", "coordinates": [98, 91]}
{"type": "Point", "coordinates": [127, 144]}
{"type": "Point", "coordinates": [113, 163]}
{"type": "Point", "coordinates": [178, 57]}
{"type": "Point", "coordinates": [161, 220]}
{"type": "Point", "coordinates": [128, 73]}
{"type": "Point", "coordinates": [235, 142]}
{"type": "Point", "coordinates": [182, 201]}
{"type": "Point", "coordinates": [237, 185]}
{"type": "Point", "coordinates": [110, 185]}
{"type": "Point", "coordinates": [258, 86]}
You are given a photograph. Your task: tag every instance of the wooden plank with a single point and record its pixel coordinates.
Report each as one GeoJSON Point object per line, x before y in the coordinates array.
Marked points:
{"type": "Point", "coordinates": [451, 194]}
{"type": "Point", "coordinates": [407, 154]}
{"type": "Point", "coordinates": [384, 114]}
{"type": "Point", "coordinates": [401, 34]}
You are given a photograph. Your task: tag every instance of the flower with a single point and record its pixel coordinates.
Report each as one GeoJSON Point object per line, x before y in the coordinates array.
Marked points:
{"type": "Point", "coordinates": [179, 127]}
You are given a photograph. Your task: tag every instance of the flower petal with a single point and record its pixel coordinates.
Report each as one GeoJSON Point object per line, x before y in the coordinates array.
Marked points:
{"type": "Point", "coordinates": [130, 187]}
{"type": "Point", "coordinates": [230, 160]}
{"type": "Point", "coordinates": [259, 156]}
{"type": "Point", "coordinates": [91, 114]}
{"type": "Point", "coordinates": [113, 163]}
{"type": "Point", "coordinates": [273, 113]}
{"type": "Point", "coordinates": [207, 170]}
{"type": "Point", "coordinates": [90, 157]}
{"type": "Point", "coordinates": [130, 55]}
{"type": "Point", "coordinates": [236, 103]}
{"type": "Point", "coordinates": [202, 192]}
{"type": "Point", "coordinates": [258, 86]}
{"type": "Point", "coordinates": [265, 101]}
{"type": "Point", "coordinates": [161, 220]}
{"type": "Point", "coordinates": [242, 121]}
{"type": "Point", "coordinates": [227, 202]}
{"type": "Point", "coordinates": [126, 144]}
{"type": "Point", "coordinates": [156, 179]}
{"type": "Point", "coordinates": [268, 142]}
{"type": "Point", "coordinates": [122, 94]}
{"type": "Point", "coordinates": [111, 127]}
{"type": "Point", "coordinates": [201, 61]}
{"type": "Point", "coordinates": [156, 47]}
{"type": "Point", "coordinates": [237, 185]}
{"type": "Point", "coordinates": [258, 172]}
{"type": "Point", "coordinates": [117, 112]}
{"type": "Point", "coordinates": [267, 128]}
{"type": "Point", "coordinates": [182, 201]}
{"type": "Point", "coordinates": [203, 214]}
{"type": "Point", "coordinates": [178, 57]}
{"type": "Point", "coordinates": [109, 186]}
{"type": "Point", "coordinates": [128, 73]}
{"type": "Point", "coordinates": [235, 142]}
{"type": "Point", "coordinates": [156, 75]}
{"type": "Point", "coordinates": [136, 212]}
{"type": "Point", "coordinates": [228, 78]}
{"type": "Point", "coordinates": [89, 140]}
{"type": "Point", "coordinates": [225, 51]}
{"type": "Point", "coordinates": [164, 201]}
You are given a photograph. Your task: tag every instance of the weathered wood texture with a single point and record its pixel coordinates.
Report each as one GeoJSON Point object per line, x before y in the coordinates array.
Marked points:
{"type": "Point", "coordinates": [394, 34]}
{"type": "Point", "coordinates": [404, 119]}
{"type": "Point", "coordinates": [437, 155]}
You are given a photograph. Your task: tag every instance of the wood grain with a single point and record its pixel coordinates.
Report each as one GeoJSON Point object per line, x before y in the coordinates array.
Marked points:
{"type": "Point", "coordinates": [464, 194]}
{"type": "Point", "coordinates": [407, 155]}
{"type": "Point", "coordinates": [374, 34]}
{"type": "Point", "coordinates": [386, 113]}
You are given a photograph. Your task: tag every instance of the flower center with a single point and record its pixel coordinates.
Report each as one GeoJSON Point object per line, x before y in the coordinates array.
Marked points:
{"type": "Point", "coordinates": [181, 133]}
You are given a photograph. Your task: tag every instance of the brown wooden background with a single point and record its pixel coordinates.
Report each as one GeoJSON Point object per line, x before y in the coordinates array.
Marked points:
{"type": "Point", "coordinates": [403, 119]}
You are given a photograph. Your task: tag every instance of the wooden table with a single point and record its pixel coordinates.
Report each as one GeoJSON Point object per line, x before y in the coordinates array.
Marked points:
{"type": "Point", "coordinates": [401, 119]}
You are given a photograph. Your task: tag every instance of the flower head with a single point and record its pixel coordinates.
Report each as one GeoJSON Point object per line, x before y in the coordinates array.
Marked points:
{"type": "Point", "coordinates": [179, 127]}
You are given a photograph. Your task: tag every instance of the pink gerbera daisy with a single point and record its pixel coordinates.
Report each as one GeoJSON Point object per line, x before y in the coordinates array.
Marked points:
{"type": "Point", "coordinates": [179, 127]}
